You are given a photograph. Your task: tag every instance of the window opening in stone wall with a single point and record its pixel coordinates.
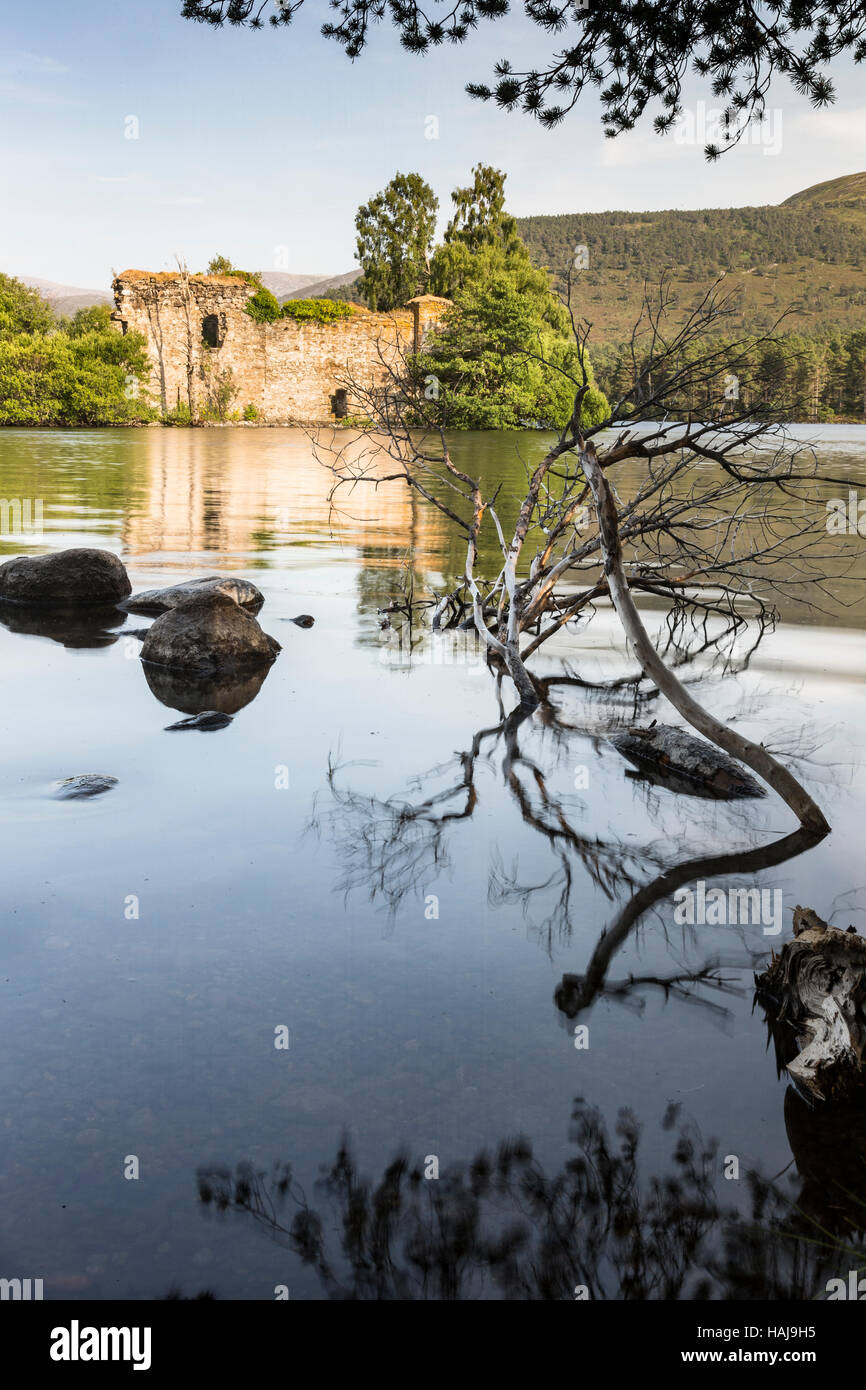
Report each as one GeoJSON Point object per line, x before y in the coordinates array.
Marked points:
{"type": "Point", "coordinates": [340, 403]}
{"type": "Point", "coordinates": [210, 331]}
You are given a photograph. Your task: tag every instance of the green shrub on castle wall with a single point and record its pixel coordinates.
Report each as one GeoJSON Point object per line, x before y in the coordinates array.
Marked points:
{"type": "Point", "coordinates": [317, 310]}
{"type": "Point", "coordinates": [263, 307]}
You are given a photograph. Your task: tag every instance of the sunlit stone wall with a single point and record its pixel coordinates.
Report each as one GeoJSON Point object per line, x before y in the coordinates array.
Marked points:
{"type": "Point", "coordinates": [290, 371]}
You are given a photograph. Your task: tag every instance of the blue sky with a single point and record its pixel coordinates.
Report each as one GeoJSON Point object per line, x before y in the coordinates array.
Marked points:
{"type": "Point", "coordinates": [262, 145]}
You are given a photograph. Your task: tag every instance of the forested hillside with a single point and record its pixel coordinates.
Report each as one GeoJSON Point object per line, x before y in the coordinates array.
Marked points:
{"type": "Point", "coordinates": [807, 255]}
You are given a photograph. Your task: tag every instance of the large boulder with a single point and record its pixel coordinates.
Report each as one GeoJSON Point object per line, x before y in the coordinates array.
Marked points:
{"type": "Point", "coordinates": [65, 577]}
{"type": "Point", "coordinates": [241, 591]}
{"type": "Point", "coordinates": [207, 635]}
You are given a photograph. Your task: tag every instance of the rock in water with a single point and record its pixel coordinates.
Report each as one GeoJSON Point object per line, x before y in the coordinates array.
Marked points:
{"type": "Point", "coordinates": [302, 620]}
{"type": "Point", "coordinates": [66, 577]}
{"type": "Point", "coordinates": [241, 591]}
{"type": "Point", "coordinates": [681, 762]}
{"type": "Point", "coordinates": [208, 634]}
{"type": "Point", "coordinates": [84, 784]}
{"type": "Point", "coordinates": [207, 720]}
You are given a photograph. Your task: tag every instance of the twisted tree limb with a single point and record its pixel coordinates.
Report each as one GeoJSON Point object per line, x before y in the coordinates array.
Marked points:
{"type": "Point", "coordinates": [754, 755]}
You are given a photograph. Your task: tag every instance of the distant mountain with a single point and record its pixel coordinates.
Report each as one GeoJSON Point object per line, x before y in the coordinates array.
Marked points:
{"type": "Point", "coordinates": [312, 289]}
{"type": "Point", "coordinates": [282, 284]}
{"type": "Point", "coordinates": [66, 299]}
{"type": "Point", "coordinates": [809, 252]}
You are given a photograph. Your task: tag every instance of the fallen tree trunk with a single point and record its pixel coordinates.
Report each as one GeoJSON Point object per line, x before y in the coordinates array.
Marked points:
{"type": "Point", "coordinates": [752, 754]}
{"type": "Point", "coordinates": [814, 996]}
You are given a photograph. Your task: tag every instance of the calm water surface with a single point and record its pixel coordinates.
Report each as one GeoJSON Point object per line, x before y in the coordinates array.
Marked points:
{"type": "Point", "coordinates": [288, 872]}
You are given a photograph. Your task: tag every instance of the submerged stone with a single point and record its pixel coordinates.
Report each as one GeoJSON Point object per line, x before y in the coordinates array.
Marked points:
{"type": "Point", "coordinates": [684, 763]}
{"type": "Point", "coordinates": [206, 721]}
{"type": "Point", "coordinates": [82, 785]}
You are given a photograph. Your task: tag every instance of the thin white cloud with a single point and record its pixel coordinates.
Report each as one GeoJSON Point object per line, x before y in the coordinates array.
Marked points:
{"type": "Point", "coordinates": [22, 94]}
{"type": "Point", "coordinates": [19, 61]}
{"type": "Point", "coordinates": [17, 66]}
{"type": "Point", "coordinates": [185, 202]}
{"type": "Point", "coordinates": [115, 178]}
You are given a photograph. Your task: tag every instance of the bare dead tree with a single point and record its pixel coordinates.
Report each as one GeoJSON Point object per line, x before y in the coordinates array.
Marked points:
{"type": "Point", "coordinates": [189, 351]}
{"type": "Point", "coordinates": [725, 517]}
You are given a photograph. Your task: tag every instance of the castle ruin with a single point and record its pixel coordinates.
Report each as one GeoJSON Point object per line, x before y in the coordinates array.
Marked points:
{"type": "Point", "coordinates": [290, 371]}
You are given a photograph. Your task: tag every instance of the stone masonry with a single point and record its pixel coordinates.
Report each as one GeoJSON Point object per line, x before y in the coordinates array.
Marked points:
{"type": "Point", "coordinates": [196, 328]}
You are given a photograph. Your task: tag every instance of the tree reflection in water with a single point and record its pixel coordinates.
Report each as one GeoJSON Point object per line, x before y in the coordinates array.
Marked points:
{"type": "Point", "coordinates": [500, 1227]}
{"type": "Point", "coordinates": [391, 847]}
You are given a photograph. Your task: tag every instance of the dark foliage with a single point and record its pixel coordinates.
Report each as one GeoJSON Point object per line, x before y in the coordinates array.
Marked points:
{"type": "Point", "coordinates": [636, 54]}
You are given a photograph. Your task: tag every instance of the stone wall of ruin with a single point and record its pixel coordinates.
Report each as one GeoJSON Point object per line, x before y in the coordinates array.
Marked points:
{"type": "Point", "coordinates": [289, 370]}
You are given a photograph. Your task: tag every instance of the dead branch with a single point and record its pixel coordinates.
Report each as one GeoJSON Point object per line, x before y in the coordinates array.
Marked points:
{"type": "Point", "coordinates": [753, 755]}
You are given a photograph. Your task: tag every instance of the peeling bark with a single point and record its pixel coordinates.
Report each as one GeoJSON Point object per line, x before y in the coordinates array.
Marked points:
{"type": "Point", "coordinates": [814, 994]}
